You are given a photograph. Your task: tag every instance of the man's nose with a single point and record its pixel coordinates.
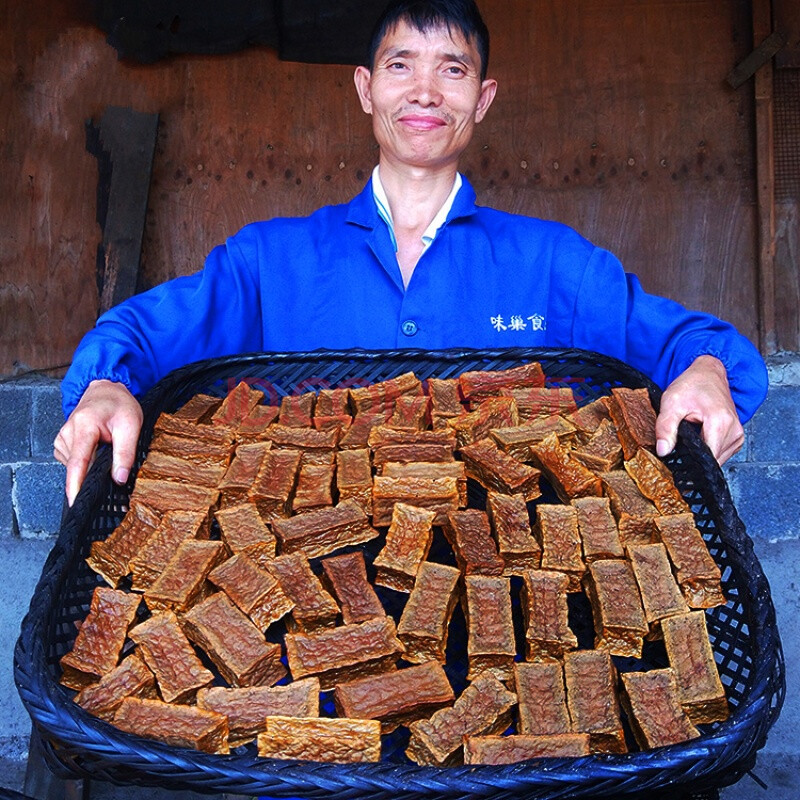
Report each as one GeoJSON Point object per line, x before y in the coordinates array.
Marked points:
{"type": "Point", "coordinates": [425, 88]}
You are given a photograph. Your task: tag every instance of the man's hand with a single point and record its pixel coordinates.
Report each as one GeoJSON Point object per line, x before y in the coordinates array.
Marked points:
{"type": "Point", "coordinates": [107, 412]}
{"type": "Point", "coordinates": [701, 394]}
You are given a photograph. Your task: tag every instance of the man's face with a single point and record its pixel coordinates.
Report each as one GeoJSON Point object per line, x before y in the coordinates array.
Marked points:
{"type": "Point", "coordinates": [425, 95]}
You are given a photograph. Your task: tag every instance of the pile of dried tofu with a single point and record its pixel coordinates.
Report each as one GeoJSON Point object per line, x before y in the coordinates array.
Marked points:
{"type": "Point", "coordinates": [248, 518]}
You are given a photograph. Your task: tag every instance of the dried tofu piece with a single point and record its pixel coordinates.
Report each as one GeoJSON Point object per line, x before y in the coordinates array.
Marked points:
{"type": "Point", "coordinates": [567, 476]}
{"type": "Point", "coordinates": [408, 542]}
{"type": "Point", "coordinates": [173, 724]}
{"type": "Point", "coordinates": [655, 482]}
{"type": "Point", "coordinates": [634, 418]}
{"type": "Point", "coordinates": [100, 638]}
{"type": "Point", "coordinates": [410, 453]}
{"type": "Point", "coordinates": [591, 680]}
{"type": "Point", "coordinates": [254, 427]}
{"type": "Point", "coordinates": [346, 576]}
{"type": "Point", "coordinates": [542, 698]}
{"type": "Point", "coordinates": [410, 412]}
{"type": "Point", "coordinates": [314, 608]}
{"type": "Point", "coordinates": [163, 466]}
{"type": "Point", "coordinates": [354, 477]}
{"type": "Point", "coordinates": [297, 410]}
{"type": "Point", "coordinates": [200, 450]}
{"type": "Point", "coordinates": [241, 527]}
{"type": "Point", "coordinates": [242, 472]}
{"type": "Point", "coordinates": [315, 445]}
{"type": "Point", "coordinates": [175, 528]}
{"type": "Point", "coordinates": [131, 678]}
{"type": "Point", "coordinates": [233, 642]}
{"type": "Point", "coordinates": [544, 608]}
{"type": "Point", "coordinates": [588, 418]}
{"type": "Point", "coordinates": [619, 620]}
{"type": "Point", "coordinates": [490, 627]}
{"type": "Point", "coordinates": [493, 413]}
{"type": "Point", "coordinates": [171, 657]}
{"type": "Point", "coordinates": [237, 405]}
{"type": "Point", "coordinates": [445, 401]}
{"type": "Point", "coordinates": [248, 707]}
{"type": "Point", "coordinates": [700, 690]}
{"type": "Point", "coordinates": [213, 437]}
{"type": "Point", "coordinates": [341, 654]}
{"type": "Point", "coordinates": [396, 698]}
{"type": "Point", "coordinates": [634, 513]}
{"type": "Point", "coordinates": [556, 528]}
{"type": "Point", "coordinates": [199, 408]}
{"type": "Point", "coordinates": [324, 739]}
{"type": "Point", "coordinates": [357, 435]}
{"type": "Point", "coordinates": [470, 535]}
{"type": "Point", "coordinates": [386, 435]}
{"type": "Point", "coordinates": [484, 707]}
{"type": "Point", "coordinates": [651, 701]}
{"type": "Point", "coordinates": [603, 451]}
{"type": "Point", "coordinates": [332, 402]}
{"type": "Point", "coordinates": [510, 522]}
{"type": "Point", "coordinates": [314, 488]}
{"type": "Point", "coordinates": [254, 590]}
{"type": "Point", "coordinates": [431, 469]}
{"type": "Point", "coordinates": [520, 441]}
{"type": "Point", "coordinates": [183, 581]}
{"type": "Point", "coordinates": [333, 422]}
{"type": "Point", "coordinates": [661, 595]}
{"type": "Point", "coordinates": [273, 488]}
{"type": "Point", "coordinates": [317, 533]}
{"type": "Point", "coordinates": [520, 747]}
{"type": "Point", "coordinates": [478, 384]}
{"type": "Point", "coordinates": [425, 620]}
{"type": "Point", "coordinates": [110, 557]}
{"type": "Point", "coordinates": [492, 468]}
{"type": "Point", "coordinates": [439, 495]}
{"type": "Point", "coordinates": [695, 569]}
{"type": "Point", "coordinates": [163, 496]}
{"type": "Point", "coordinates": [540, 402]}
{"type": "Point", "coordinates": [597, 528]}
{"type": "Point", "coordinates": [380, 397]}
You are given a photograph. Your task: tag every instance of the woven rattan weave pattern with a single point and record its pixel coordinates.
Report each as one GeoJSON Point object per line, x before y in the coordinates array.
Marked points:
{"type": "Point", "coordinates": [743, 632]}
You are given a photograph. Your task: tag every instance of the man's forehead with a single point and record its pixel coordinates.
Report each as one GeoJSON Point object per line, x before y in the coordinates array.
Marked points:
{"type": "Point", "coordinates": [447, 39]}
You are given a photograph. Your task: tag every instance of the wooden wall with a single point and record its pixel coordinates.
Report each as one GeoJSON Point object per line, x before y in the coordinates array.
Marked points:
{"type": "Point", "coordinates": [612, 116]}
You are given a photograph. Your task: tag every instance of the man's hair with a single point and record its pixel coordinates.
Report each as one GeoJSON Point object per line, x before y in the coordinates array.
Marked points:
{"type": "Point", "coordinates": [460, 15]}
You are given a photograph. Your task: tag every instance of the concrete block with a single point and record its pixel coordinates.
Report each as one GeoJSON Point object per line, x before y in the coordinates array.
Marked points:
{"type": "Point", "coordinates": [775, 428]}
{"type": "Point", "coordinates": [766, 497]}
{"type": "Point", "coordinates": [8, 519]}
{"type": "Point", "coordinates": [47, 419]}
{"type": "Point", "coordinates": [38, 496]}
{"type": "Point", "coordinates": [15, 423]}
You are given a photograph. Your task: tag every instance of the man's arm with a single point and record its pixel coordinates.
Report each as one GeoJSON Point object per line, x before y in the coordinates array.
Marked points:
{"type": "Point", "coordinates": [108, 413]}
{"type": "Point", "coordinates": [701, 394]}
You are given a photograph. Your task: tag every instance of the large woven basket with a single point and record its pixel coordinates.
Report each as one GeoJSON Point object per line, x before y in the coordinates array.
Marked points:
{"type": "Point", "coordinates": [743, 632]}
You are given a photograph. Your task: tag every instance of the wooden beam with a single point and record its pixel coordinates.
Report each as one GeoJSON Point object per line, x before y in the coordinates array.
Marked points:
{"type": "Point", "coordinates": [765, 180]}
{"type": "Point", "coordinates": [124, 143]}
{"type": "Point", "coordinates": [761, 56]}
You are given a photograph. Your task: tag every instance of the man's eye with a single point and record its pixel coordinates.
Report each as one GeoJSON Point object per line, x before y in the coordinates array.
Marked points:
{"type": "Point", "coordinates": [397, 66]}
{"type": "Point", "coordinates": [455, 70]}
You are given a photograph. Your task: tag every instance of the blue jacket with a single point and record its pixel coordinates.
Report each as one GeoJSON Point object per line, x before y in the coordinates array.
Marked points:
{"type": "Point", "coordinates": [331, 280]}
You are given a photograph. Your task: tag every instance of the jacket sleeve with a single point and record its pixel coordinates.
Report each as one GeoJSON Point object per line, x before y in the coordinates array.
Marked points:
{"type": "Point", "coordinates": [213, 313]}
{"type": "Point", "coordinates": [658, 336]}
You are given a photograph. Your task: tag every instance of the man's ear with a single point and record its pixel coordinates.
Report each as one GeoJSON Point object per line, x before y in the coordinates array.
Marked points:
{"type": "Point", "coordinates": [362, 78]}
{"type": "Point", "coordinates": [488, 91]}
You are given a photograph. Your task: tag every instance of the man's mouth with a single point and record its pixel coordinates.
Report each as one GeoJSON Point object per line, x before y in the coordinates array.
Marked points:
{"type": "Point", "coordinates": [422, 122]}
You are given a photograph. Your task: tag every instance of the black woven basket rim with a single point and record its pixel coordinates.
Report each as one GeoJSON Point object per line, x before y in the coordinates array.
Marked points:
{"type": "Point", "coordinates": [720, 756]}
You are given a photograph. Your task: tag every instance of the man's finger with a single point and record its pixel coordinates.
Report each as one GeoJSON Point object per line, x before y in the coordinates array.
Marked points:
{"type": "Point", "coordinates": [80, 457]}
{"type": "Point", "coordinates": [667, 431]}
{"type": "Point", "coordinates": [123, 442]}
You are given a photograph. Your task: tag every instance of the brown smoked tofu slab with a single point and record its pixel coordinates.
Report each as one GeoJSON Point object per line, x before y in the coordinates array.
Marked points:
{"type": "Point", "coordinates": [490, 626]}
{"type": "Point", "coordinates": [591, 681]}
{"type": "Point", "coordinates": [567, 476]}
{"type": "Point", "coordinates": [241, 526]}
{"type": "Point", "coordinates": [470, 535]}
{"type": "Point", "coordinates": [344, 653]}
{"type": "Point", "coordinates": [484, 707]}
{"type": "Point", "coordinates": [273, 488]}
{"type": "Point", "coordinates": [492, 468]}
{"type": "Point", "coordinates": [634, 418]}
{"type": "Point", "coordinates": [354, 477]}
{"type": "Point", "coordinates": [430, 469]}
{"type": "Point", "coordinates": [410, 412]}
{"type": "Point", "coordinates": [176, 725]}
{"type": "Point", "coordinates": [521, 440]}
{"type": "Point", "coordinates": [700, 690]}
{"type": "Point", "coordinates": [233, 643]}
{"type": "Point", "coordinates": [323, 739]}
{"type": "Point", "coordinates": [520, 747]}
{"type": "Point", "coordinates": [314, 488]}
{"type": "Point", "coordinates": [132, 678]}
{"type": "Point", "coordinates": [655, 482]}
{"type": "Point", "coordinates": [346, 576]}
{"type": "Point", "coordinates": [495, 412]}
{"type": "Point", "coordinates": [511, 525]}
{"type": "Point", "coordinates": [651, 702]}
{"type": "Point", "coordinates": [426, 617]}
{"type": "Point", "coordinates": [541, 697]}
{"type": "Point", "coordinates": [199, 408]}
{"type": "Point", "coordinates": [297, 410]}
{"type": "Point", "coordinates": [478, 384]}
{"type": "Point", "coordinates": [380, 397]}
{"type": "Point", "coordinates": [248, 707]}
{"type": "Point", "coordinates": [634, 513]}
{"type": "Point", "coordinates": [695, 569]}
{"type": "Point", "coordinates": [237, 405]}
{"type": "Point", "coordinates": [602, 452]}
{"type": "Point", "coordinates": [172, 659]}
{"type": "Point", "coordinates": [241, 473]}
{"type": "Point", "coordinates": [541, 402]}
{"type": "Point", "coordinates": [544, 607]}
{"type": "Point", "coordinates": [396, 698]}
{"type": "Point", "coordinates": [252, 428]}
{"type": "Point", "coordinates": [100, 638]}
{"type": "Point", "coordinates": [408, 541]}
{"type": "Point", "coordinates": [332, 402]}
{"type": "Point", "coordinates": [598, 529]}
{"type": "Point", "coordinates": [619, 621]}
{"type": "Point", "coordinates": [440, 495]}
{"type": "Point", "coordinates": [661, 595]}
{"type": "Point", "coordinates": [556, 528]}
{"type": "Point", "coordinates": [588, 418]}
{"type": "Point", "coordinates": [318, 533]}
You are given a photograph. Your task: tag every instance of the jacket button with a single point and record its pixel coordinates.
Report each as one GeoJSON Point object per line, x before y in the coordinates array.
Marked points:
{"type": "Point", "coordinates": [409, 327]}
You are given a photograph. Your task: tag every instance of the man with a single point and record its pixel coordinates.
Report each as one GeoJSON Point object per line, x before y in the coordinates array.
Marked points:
{"type": "Point", "coordinates": [411, 262]}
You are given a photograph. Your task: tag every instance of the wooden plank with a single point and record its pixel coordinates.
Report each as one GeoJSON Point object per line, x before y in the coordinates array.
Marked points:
{"type": "Point", "coordinates": [761, 56]}
{"type": "Point", "coordinates": [124, 143]}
